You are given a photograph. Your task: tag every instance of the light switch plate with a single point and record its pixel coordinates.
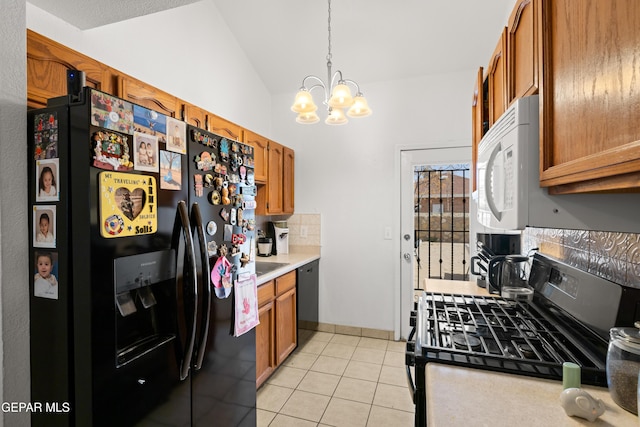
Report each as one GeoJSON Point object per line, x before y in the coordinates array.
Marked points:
{"type": "Point", "coordinates": [387, 233]}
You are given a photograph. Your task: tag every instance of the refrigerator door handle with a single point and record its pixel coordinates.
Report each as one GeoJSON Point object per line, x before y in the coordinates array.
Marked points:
{"type": "Point", "coordinates": [206, 285]}
{"type": "Point", "coordinates": [183, 215]}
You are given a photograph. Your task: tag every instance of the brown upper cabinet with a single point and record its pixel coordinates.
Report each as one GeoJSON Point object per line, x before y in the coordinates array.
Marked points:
{"type": "Point", "coordinates": [590, 123]}
{"type": "Point", "coordinates": [47, 65]}
{"type": "Point", "coordinates": [260, 146]}
{"type": "Point", "coordinates": [225, 128]}
{"type": "Point", "coordinates": [269, 196]}
{"type": "Point", "coordinates": [479, 120]}
{"type": "Point", "coordinates": [497, 79]}
{"type": "Point", "coordinates": [195, 116]}
{"type": "Point", "coordinates": [522, 50]}
{"type": "Point", "coordinates": [288, 163]}
{"type": "Point", "coordinates": [581, 57]}
{"type": "Point", "coordinates": [140, 93]}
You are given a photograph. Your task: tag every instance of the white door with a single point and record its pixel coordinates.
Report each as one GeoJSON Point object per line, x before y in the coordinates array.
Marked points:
{"type": "Point", "coordinates": [409, 159]}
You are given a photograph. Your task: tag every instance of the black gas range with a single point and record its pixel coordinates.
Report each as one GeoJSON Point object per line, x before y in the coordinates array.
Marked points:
{"type": "Point", "coordinates": [567, 321]}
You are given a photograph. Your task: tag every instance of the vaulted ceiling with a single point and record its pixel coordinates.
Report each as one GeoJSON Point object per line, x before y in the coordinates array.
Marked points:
{"type": "Point", "coordinates": [372, 40]}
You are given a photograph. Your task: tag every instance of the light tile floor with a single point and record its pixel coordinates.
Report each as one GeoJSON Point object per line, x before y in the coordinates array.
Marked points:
{"type": "Point", "coordinates": [338, 380]}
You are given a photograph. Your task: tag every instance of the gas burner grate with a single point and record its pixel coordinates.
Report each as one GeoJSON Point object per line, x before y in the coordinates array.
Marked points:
{"type": "Point", "coordinates": [493, 333]}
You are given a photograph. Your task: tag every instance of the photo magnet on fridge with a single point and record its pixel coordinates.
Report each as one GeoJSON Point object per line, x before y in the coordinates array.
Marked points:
{"type": "Point", "coordinates": [47, 180]}
{"type": "Point", "coordinates": [45, 279]}
{"type": "Point", "coordinates": [44, 226]}
{"type": "Point", "coordinates": [127, 204]}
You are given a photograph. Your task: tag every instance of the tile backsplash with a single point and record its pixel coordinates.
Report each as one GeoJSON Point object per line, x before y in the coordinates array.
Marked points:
{"type": "Point", "coordinates": [304, 229]}
{"type": "Point", "coordinates": [613, 256]}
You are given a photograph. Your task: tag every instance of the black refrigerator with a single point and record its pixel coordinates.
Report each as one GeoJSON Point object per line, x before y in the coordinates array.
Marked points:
{"type": "Point", "coordinates": [142, 280]}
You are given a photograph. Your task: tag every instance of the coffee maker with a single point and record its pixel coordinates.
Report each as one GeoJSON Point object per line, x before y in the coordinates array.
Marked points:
{"type": "Point", "coordinates": [491, 246]}
{"type": "Point", "coordinates": [279, 233]}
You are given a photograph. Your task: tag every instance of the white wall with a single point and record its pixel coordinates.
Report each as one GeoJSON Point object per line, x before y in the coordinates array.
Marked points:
{"type": "Point", "coordinates": [345, 173]}
{"type": "Point", "coordinates": [188, 52]}
{"type": "Point", "coordinates": [348, 175]}
{"type": "Point", "coordinates": [14, 282]}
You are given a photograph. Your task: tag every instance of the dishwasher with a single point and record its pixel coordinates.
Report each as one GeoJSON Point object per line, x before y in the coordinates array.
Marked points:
{"type": "Point", "coordinates": [308, 284]}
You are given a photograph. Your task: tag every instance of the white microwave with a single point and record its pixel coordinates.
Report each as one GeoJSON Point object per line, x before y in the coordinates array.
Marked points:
{"type": "Point", "coordinates": [509, 196]}
{"type": "Point", "coordinates": [504, 163]}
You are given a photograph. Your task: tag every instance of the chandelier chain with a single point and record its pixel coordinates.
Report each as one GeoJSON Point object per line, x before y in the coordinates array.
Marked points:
{"type": "Point", "coordinates": [329, 24]}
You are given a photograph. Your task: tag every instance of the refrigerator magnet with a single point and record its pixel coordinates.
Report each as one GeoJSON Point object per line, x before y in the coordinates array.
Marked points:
{"type": "Point", "coordinates": [211, 228]}
{"type": "Point", "coordinates": [44, 226]}
{"type": "Point", "coordinates": [233, 217]}
{"type": "Point", "coordinates": [228, 232]}
{"type": "Point", "coordinates": [176, 135]}
{"type": "Point", "coordinates": [214, 197]}
{"type": "Point", "coordinates": [170, 170]}
{"type": "Point", "coordinates": [145, 154]}
{"type": "Point", "coordinates": [47, 180]}
{"type": "Point", "coordinates": [110, 112]}
{"type": "Point", "coordinates": [225, 196]}
{"type": "Point", "coordinates": [111, 151]}
{"type": "Point", "coordinates": [205, 161]}
{"type": "Point", "coordinates": [150, 122]}
{"type": "Point", "coordinates": [224, 150]}
{"type": "Point", "coordinates": [212, 248]}
{"type": "Point", "coordinates": [224, 214]}
{"type": "Point", "coordinates": [45, 279]}
{"type": "Point", "coordinates": [46, 136]}
{"type": "Point", "coordinates": [127, 204]}
{"type": "Point", "coordinates": [197, 185]}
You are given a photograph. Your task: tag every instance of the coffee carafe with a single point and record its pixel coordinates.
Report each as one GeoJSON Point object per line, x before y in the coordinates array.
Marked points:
{"type": "Point", "coordinates": [509, 275]}
{"type": "Point", "coordinates": [515, 280]}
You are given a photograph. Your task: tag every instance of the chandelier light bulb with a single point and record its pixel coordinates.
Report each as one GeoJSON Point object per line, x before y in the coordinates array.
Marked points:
{"type": "Point", "coordinates": [304, 102]}
{"type": "Point", "coordinates": [360, 107]}
{"type": "Point", "coordinates": [308, 118]}
{"type": "Point", "coordinates": [336, 117]}
{"type": "Point", "coordinates": [341, 96]}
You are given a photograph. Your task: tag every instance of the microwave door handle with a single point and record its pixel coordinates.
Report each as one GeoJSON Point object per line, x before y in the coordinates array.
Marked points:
{"type": "Point", "coordinates": [183, 214]}
{"type": "Point", "coordinates": [206, 285]}
{"type": "Point", "coordinates": [487, 183]}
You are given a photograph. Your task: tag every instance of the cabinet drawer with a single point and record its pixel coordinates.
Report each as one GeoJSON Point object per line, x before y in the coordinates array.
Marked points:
{"type": "Point", "coordinates": [285, 282]}
{"type": "Point", "coordinates": [266, 292]}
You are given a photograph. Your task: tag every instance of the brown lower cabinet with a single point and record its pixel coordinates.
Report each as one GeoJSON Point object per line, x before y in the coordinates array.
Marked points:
{"type": "Point", "coordinates": [276, 335]}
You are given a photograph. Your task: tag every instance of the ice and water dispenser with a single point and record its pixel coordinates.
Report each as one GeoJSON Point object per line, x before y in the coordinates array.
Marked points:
{"type": "Point", "coordinates": [145, 297]}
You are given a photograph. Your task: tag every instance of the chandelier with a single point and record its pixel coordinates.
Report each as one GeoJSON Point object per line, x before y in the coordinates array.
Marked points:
{"type": "Point", "coordinates": [337, 96]}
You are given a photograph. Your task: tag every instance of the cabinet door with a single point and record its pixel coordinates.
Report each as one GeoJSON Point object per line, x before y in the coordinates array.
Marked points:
{"type": "Point", "coordinates": [195, 116]}
{"type": "Point", "coordinates": [265, 343]}
{"type": "Point", "coordinates": [260, 146]}
{"type": "Point", "coordinates": [225, 128]}
{"type": "Point", "coordinates": [478, 120]}
{"type": "Point", "coordinates": [286, 325]}
{"type": "Point", "coordinates": [497, 78]}
{"type": "Point", "coordinates": [288, 167]}
{"type": "Point", "coordinates": [591, 121]}
{"type": "Point", "coordinates": [47, 65]}
{"type": "Point", "coordinates": [269, 197]}
{"type": "Point", "coordinates": [148, 96]}
{"type": "Point", "coordinates": [522, 48]}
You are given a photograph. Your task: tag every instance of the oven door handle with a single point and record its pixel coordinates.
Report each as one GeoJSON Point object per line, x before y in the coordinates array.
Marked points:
{"type": "Point", "coordinates": [410, 361]}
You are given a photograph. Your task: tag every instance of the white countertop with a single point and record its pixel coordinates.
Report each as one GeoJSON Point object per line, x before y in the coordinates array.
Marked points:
{"type": "Point", "coordinates": [297, 257]}
{"type": "Point", "coordinates": [458, 396]}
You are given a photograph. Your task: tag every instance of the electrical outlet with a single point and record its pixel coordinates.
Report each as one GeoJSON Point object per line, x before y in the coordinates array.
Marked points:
{"type": "Point", "coordinates": [303, 231]}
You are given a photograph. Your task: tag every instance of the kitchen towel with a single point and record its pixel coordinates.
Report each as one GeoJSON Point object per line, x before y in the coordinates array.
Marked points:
{"type": "Point", "coordinates": [246, 305]}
